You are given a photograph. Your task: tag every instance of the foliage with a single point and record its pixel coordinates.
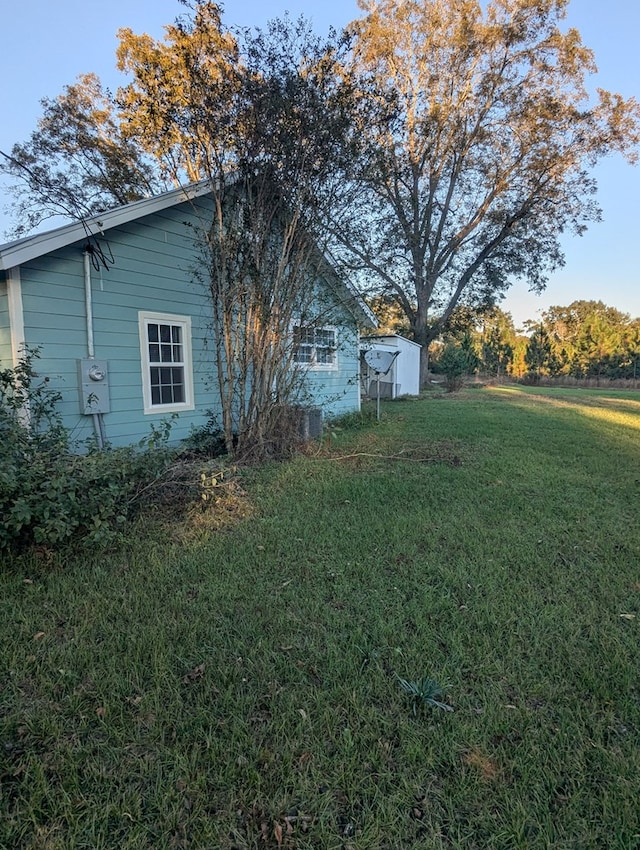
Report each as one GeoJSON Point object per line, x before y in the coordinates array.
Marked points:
{"type": "Point", "coordinates": [391, 319]}
{"type": "Point", "coordinates": [589, 339]}
{"type": "Point", "coordinates": [453, 362]}
{"type": "Point", "coordinates": [584, 340]}
{"type": "Point", "coordinates": [208, 439]}
{"type": "Point", "coordinates": [77, 162]}
{"type": "Point", "coordinates": [180, 103]}
{"type": "Point", "coordinates": [498, 343]}
{"type": "Point", "coordinates": [539, 356]}
{"type": "Point", "coordinates": [468, 347]}
{"type": "Point", "coordinates": [48, 494]}
{"type": "Point", "coordinates": [476, 135]}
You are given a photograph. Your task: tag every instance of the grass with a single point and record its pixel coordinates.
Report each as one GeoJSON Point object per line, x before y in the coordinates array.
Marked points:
{"type": "Point", "coordinates": [240, 689]}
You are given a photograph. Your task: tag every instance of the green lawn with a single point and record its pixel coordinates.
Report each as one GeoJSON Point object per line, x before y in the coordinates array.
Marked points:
{"type": "Point", "coordinates": [239, 689]}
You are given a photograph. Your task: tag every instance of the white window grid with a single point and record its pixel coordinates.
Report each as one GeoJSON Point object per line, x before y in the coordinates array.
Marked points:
{"type": "Point", "coordinates": [315, 346]}
{"type": "Point", "coordinates": [167, 375]}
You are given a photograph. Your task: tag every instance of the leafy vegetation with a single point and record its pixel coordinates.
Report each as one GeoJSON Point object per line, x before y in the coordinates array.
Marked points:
{"type": "Point", "coordinates": [454, 364]}
{"type": "Point", "coordinates": [585, 340]}
{"type": "Point", "coordinates": [77, 162]}
{"type": "Point", "coordinates": [240, 689]}
{"type": "Point", "coordinates": [425, 692]}
{"type": "Point", "coordinates": [478, 136]}
{"type": "Point", "coordinates": [589, 339]}
{"type": "Point", "coordinates": [50, 494]}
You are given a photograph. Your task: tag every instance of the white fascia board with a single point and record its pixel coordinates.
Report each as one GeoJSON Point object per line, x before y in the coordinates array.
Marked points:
{"type": "Point", "coordinates": [22, 250]}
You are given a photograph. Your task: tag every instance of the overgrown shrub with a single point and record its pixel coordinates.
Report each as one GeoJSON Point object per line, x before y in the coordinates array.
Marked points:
{"type": "Point", "coordinates": [207, 440]}
{"type": "Point", "coordinates": [48, 493]}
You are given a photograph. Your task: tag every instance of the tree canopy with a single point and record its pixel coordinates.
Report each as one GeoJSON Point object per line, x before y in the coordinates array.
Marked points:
{"type": "Point", "coordinates": [78, 161]}
{"type": "Point", "coordinates": [477, 136]}
{"type": "Point", "coordinates": [584, 340]}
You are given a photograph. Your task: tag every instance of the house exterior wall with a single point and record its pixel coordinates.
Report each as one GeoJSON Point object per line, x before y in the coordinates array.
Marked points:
{"type": "Point", "coordinates": [5, 329]}
{"type": "Point", "coordinates": [151, 262]}
{"type": "Point", "coordinates": [336, 391]}
{"type": "Point", "coordinates": [153, 259]}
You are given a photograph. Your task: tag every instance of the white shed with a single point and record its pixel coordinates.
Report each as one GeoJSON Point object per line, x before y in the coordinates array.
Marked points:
{"type": "Point", "coordinates": [403, 377]}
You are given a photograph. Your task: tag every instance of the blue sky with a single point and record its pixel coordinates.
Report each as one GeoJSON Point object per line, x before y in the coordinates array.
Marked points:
{"type": "Point", "coordinates": [47, 44]}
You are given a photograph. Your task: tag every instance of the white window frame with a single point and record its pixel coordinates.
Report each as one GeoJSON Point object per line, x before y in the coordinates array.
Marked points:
{"type": "Point", "coordinates": [313, 362]}
{"type": "Point", "coordinates": [146, 318]}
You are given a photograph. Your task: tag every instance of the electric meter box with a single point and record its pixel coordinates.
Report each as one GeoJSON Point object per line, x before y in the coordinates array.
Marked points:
{"type": "Point", "coordinates": [93, 380]}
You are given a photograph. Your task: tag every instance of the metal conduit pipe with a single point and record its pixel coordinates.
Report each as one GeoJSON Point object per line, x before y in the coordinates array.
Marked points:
{"type": "Point", "coordinates": [98, 425]}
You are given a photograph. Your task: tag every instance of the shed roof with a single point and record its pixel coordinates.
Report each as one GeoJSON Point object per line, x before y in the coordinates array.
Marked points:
{"type": "Point", "coordinates": [395, 337]}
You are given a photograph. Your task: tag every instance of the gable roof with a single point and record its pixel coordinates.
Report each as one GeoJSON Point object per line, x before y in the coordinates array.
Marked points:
{"type": "Point", "coordinates": [30, 247]}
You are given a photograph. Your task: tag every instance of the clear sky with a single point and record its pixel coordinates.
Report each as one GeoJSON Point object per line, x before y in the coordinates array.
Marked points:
{"type": "Point", "coordinates": [46, 45]}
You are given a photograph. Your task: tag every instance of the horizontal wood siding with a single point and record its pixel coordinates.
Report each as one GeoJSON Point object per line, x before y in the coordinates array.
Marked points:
{"type": "Point", "coordinates": [336, 391]}
{"type": "Point", "coordinates": [151, 266]}
{"type": "Point", "coordinates": [152, 270]}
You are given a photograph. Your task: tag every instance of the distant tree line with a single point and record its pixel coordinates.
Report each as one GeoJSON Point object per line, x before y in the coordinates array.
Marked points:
{"type": "Point", "coordinates": [586, 339]}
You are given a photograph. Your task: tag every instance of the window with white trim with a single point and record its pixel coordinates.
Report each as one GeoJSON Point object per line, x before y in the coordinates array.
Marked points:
{"type": "Point", "coordinates": [167, 374]}
{"type": "Point", "coordinates": [315, 347]}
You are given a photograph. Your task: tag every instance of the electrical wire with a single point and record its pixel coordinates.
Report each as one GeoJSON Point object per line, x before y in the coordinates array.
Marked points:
{"type": "Point", "coordinates": [101, 255]}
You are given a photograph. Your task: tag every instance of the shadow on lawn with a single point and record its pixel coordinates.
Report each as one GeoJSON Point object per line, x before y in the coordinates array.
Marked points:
{"type": "Point", "coordinates": [610, 417]}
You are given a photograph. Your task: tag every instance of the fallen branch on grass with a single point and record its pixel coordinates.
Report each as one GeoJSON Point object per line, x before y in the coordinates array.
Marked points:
{"type": "Point", "coordinates": [454, 460]}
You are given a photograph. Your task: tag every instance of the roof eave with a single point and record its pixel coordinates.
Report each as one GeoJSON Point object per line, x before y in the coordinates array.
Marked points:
{"type": "Point", "coordinates": [21, 251]}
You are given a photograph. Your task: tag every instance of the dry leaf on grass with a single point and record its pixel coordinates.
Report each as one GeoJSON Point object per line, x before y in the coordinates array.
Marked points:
{"type": "Point", "coordinates": [194, 675]}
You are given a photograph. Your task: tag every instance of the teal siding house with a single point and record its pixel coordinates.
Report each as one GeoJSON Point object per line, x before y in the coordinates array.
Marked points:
{"type": "Point", "coordinates": [123, 327]}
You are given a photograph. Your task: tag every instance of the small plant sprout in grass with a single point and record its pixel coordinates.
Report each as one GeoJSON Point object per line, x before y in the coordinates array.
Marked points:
{"type": "Point", "coordinates": [208, 483]}
{"type": "Point", "coordinates": [213, 479]}
{"type": "Point", "coordinates": [424, 691]}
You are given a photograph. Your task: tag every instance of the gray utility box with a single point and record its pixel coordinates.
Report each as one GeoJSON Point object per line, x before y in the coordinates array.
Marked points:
{"type": "Point", "coordinates": [93, 382]}
{"type": "Point", "coordinates": [309, 422]}
{"type": "Point", "coordinates": [303, 422]}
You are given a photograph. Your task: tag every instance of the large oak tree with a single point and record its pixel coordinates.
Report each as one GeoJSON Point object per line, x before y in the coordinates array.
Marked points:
{"type": "Point", "coordinates": [477, 139]}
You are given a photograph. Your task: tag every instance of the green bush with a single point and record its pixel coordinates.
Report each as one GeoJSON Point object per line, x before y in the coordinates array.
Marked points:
{"type": "Point", "coordinates": [207, 440]}
{"type": "Point", "coordinates": [453, 363]}
{"type": "Point", "coordinates": [50, 494]}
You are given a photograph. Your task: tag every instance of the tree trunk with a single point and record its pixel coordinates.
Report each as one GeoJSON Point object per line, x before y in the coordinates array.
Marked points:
{"type": "Point", "coordinates": [424, 366]}
{"type": "Point", "coordinates": [422, 337]}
